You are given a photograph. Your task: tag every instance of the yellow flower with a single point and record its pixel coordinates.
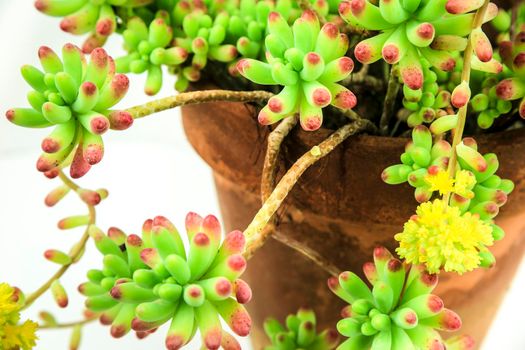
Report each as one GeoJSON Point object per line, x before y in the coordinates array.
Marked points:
{"type": "Point", "coordinates": [20, 336]}
{"type": "Point", "coordinates": [440, 181]}
{"type": "Point", "coordinates": [440, 237]}
{"type": "Point", "coordinates": [465, 182]}
{"type": "Point", "coordinates": [14, 336]}
{"type": "Point", "coordinates": [8, 305]}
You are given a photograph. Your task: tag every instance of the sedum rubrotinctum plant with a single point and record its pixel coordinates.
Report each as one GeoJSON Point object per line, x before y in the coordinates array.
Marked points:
{"type": "Point", "coordinates": [425, 69]}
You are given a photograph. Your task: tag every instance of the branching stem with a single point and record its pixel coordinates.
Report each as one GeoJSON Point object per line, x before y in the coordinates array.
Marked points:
{"type": "Point", "coordinates": [275, 140]}
{"type": "Point", "coordinates": [75, 253]}
{"type": "Point", "coordinates": [255, 233]}
{"type": "Point", "coordinates": [69, 324]}
{"type": "Point", "coordinates": [465, 76]}
{"type": "Point", "coordinates": [195, 97]}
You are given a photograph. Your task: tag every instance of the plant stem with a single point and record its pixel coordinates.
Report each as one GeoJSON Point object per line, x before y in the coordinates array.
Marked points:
{"type": "Point", "coordinates": [275, 139]}
{"type": "Point", "coordinates": [309, 253]}
{"type": "Point", "coordinates": [465, 76]}
{"type": "Point", "coordinates": [69, 324]}
{"type": "Point", "coordinates": [390, 100]}
{"type": "Point", "coordinates": [75, 253]}
{"type": "Point", "coordinates": [254, 232]}
{"type": "Point", "coordinates": [196, 97]}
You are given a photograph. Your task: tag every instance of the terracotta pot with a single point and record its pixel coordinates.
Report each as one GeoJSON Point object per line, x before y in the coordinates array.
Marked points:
{"type": "Point", "coordinates": [341, 208]}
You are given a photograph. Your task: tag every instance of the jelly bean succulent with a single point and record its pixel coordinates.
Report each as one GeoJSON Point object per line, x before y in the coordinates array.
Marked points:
{"type": "Point", "coordinates": [75, 98]}
{"type": "Point", "coordinates": [149, 49]}
{"type": "Point", "coordinates": [513, 88]}
{"type": "Point", "coordinates": [308, 61]}
{"type": "Point", "coordinates": [399, 311]}
{"type": "Point", "coordinates": [98, 18]}
{"type": "Point", "coordinates": [413, 29]}
{"type": "Point", "coordinates": [452, 237]}
{"type": "Point", "coordinates": [300, 333]}
{"type": "Point", "coordinates": [151, 280]}
{"type": "Point", "coordinates": [444, 84]}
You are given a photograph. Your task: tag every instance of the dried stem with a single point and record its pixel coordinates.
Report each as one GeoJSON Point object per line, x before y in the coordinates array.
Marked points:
{"type": "Point", "coordinates": [390, 101]}
{"type": "Point", "coordinates": [308, 253]}
{"type": "Point", "coordinates": [275, 139]}
{"type": "Point", "coordinates": [254, 230]}
{"type": "Point", "coordinates": [362, 78]}
{"type": "Point", "coordinates": [75, 253]}
{"type": "Point", "coordinates": [465, 76]}
{"type": "Point", "coordinates": [69, 324]}
{"type": "Point", "coordinates": [196, 97]}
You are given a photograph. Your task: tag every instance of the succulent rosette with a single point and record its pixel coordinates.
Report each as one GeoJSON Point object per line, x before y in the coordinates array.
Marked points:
{"type": "Point", "coordinates": [413, 29]}
{"type": "Point", "coordinates": [149, 48]}
{"type": "Point", "coordinates": [150, 280]}
{"type": "Point", "coordinates": [205, 37]}
{"type": "Point", "coordinates": [475, 189]}
{"type": "Point", "coordinates": [300, 333]}
{"type": "Point", "coordinates": [308, 61]}
{"type": "Point", "coordinates": [398, 312]}
{"type": "Point", "coordinates": [513, 55]}
{"type": "Point", "coordinates": [86, 16]}
{"type": "Point", "coordinates": [75, 97]}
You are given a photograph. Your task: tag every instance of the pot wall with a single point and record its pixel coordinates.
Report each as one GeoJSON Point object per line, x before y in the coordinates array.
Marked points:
{"type": "Point", "coordinates": [341, 208]}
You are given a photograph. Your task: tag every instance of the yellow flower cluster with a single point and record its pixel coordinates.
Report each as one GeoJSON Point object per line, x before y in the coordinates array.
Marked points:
{"type": "Point", "coordinates": [443, 183]}
{"type": "Point", "coordinates": [14, 336]}
{"type": "Point", "coordinates": [440, 237]}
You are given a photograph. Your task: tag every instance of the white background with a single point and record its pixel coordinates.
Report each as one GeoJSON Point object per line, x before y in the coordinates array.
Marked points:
{"type": "Point", "coordinates": [149, 170]}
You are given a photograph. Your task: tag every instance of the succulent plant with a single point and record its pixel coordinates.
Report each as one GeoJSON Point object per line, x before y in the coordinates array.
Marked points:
{"type": "Point", "coordinates": [149, 48]}
{"type": "Point", "coordinates": [398, 312]}
{"type": "Point", "coordinates": [487, 103]}
{"type": "Point", "coordinates": [427, 103]}
{"type": "Point", "coordinates": [75, 98]}
{"type": "Point", "coordinates": [85, 16]}
{"type": "Point", "coordinates": [308, 61]}
{"type": "Point", "coordinates": [148, 281]}
{"type": "Point", "coordinates": [300, 333]}
{"type": "Point", "coordinates": [424, 157]}
{"type": "Point", "coordinates": [513, 55]}
{"type": "Point", "coordinates": [204, 37]}
{"type": "Point", "coordinates": [413, 29]}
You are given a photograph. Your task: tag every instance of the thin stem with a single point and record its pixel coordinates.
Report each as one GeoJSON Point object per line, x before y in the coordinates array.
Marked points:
{"type": "Point", "coordinates": [390, 101]}
{"type": "Point", "coordinates": [69, 324]}
{"type": "Point", "coordinates": [263, 216]}
{"type": "Point", "coordinates": [275, 139]}
{"type": "Point", "coordinates": [196, 97]}
{"type": "Point", "coordinates": [309, 253]}
{"type": "Point", "coordinates": [465, 76]}
{"type": "Point", "coordinates": [75, 253]}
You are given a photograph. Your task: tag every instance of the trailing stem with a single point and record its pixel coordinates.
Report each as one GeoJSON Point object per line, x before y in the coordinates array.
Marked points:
{"type": "Point", "coordinates": [69, 324]}
{"type": "Point", "coordinates": [195, 97]}
{"type": "Point", "coordinates": [308, 252]}
{"type": "Point", "coordinates": [74, 254]}
{"type": "Point", "coordinates": [465, 77]}
{"type": "Point", "coordinates": [255, 232]}
{"type": "Point", "coordinates": [275, 140]}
